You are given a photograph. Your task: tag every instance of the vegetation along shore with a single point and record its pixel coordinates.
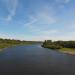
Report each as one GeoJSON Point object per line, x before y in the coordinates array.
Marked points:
{"type": "Point", "coordinates": [62, 46]}
{"type": "Point", "coordinates": [5, 43]}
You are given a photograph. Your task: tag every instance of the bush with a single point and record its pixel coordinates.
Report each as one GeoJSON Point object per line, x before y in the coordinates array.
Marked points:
{"type": "Point", "coordinates": [54, 47]}
{"type": "Point", "coordinates": [51, 45]}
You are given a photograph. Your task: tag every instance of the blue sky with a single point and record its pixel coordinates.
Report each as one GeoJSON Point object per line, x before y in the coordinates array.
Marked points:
{"type": "Point", "coordinates": [37, 19]}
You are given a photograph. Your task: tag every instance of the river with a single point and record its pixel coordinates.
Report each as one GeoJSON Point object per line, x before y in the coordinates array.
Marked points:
{"type": "Point", "coordinates": [35, 60]}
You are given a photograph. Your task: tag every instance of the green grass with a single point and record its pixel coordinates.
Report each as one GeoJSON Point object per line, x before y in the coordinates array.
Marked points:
{"type": "Point", "coordinates": [68, 50]}
{"type": "Point", "coordinates": [6, 45]}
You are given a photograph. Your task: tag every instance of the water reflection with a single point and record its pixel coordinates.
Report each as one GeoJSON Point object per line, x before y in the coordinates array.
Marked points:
{"type": "Point", "coordinates": [35, 60]}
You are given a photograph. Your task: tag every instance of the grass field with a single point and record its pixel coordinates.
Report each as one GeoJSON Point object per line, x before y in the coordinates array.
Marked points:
{"type": "Point", "coordinates": [5, 45]}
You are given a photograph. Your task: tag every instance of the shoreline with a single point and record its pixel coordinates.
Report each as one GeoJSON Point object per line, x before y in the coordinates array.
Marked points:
{"type": "Point", "coordinates": [68, 50]}
{"type": "Point", "coordinates": [9, 46]}
{"type": "Point", "coordinates": [2, 49]}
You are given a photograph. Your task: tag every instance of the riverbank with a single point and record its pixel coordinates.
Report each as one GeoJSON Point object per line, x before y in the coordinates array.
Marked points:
{"type": "Point", "coordinates": [62, 46]}
{"type": "Point", "coordinates": [68, 50]}
{"type": "Point", "coordinates": [6, 43]}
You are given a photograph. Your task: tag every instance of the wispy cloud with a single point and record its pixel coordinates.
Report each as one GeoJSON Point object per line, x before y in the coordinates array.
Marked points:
{"type": "Point", "coordinates": [42, 19]}
{"type": "Point", "coordinates": [63, 1]}
{"type": "Point", "coordinates": [45, 18]}
{"type": "Point", "coordinates": [72, 25]}
{"type": "Point", "coordinates": [40, 25]}
{"type": "Point", "coordinates": [11, 6]}
{"type": "Point", "coordinates": [39, 19]}
{"type": "Point", "coordinates": [49, 32]}
{"type": "Point", "coordinates": [67, 1]}
{"type": "Point", "coordinates": [31, 22]}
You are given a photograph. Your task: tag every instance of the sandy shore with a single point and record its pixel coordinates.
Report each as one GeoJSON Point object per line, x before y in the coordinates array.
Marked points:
{"type": "Point", "coordinates": [69, 52]}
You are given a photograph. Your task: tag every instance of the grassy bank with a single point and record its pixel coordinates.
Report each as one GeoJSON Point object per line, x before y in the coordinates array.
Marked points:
{"type": "Point", "coordinates": [62, 46]}
{"type": "Point", "coordinates": [6, 43]}
{"type": "Point", "coordinates": [3, 46]}
{"type": "Point", "coordinates": [67, 50]}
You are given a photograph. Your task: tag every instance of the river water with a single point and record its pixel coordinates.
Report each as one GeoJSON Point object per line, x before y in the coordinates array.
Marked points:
{"type": "Point", "coordinates": [35, 60]}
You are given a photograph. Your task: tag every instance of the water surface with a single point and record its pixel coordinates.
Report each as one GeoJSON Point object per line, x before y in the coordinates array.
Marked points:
{"type": "Point", "coordinates": [35, 60]}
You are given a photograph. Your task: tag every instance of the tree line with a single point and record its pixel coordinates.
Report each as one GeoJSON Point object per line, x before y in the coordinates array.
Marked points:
{"type": "Point", "coordinates": [58, 44]}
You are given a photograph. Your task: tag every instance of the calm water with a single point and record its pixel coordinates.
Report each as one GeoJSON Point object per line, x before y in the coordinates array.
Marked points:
{"type": "Point", "coordinates": [35, 60]}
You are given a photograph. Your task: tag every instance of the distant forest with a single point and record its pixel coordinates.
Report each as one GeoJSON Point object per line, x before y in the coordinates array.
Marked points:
{"type": "Point", "coordinates": [5, 43]}
{"type": "Point", "coordinates": [58, 44]}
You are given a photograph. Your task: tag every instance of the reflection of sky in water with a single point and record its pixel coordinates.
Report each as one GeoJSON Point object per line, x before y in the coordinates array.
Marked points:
{"type": "Point", "coordinates": [35, 58]}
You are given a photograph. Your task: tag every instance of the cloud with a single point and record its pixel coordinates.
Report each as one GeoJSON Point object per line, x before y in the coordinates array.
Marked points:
{"type": "Point", "coordinates": [3, 35]}
{"type": "Point", "coordinates": [9, 17]}
{"type": "Point", "coordinates": [72, 25]}
{"type": "Point", "coordinates": [11, 6]}
{"type": "Point", "coordinates": [65, 36]}
{"type": "Point", "coordinates": [49, 32]}
{"type": "Point", "coordinates": [41, 20]}
{"type": "Point", "coordinates": [45, 18]}
{"type": "Point", "coordinates": [59, 4]}
{"type": "Point", "coordinates": [32, 21]}
{"type": "Point", "coordinates": [45, 15]}
{"type": "Point", "coordinates": [67, 1]}
{"type": "Point", "coordinates": [63, 1]}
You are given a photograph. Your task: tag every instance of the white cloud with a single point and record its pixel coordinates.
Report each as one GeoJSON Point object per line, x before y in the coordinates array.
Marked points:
{"type": "Point", "coordinates": [42, 17]}
{"type": "Point", "coordinates": [66, 36]}
{"type": "Point", "coordinates": [3, 35]}
{"type": "Point", "coordinates": [72, 25]}
{"type": "Point", "coordinates": [67, 1]}
{"type": "Point", "coordinates": [63, 1]}
{"type": "Point", "coordinates": [45, 18]}
{"type": "Point", "coordinates": [11, 6]}
{"type": "Point", "coordinates": [40, 22]}
{"type": "Point", "coordinates": [32, 21]}
{"type": "Point", "coordinates": [9, 18]}
{"type": "Point", "coordinates": [49, 32]}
